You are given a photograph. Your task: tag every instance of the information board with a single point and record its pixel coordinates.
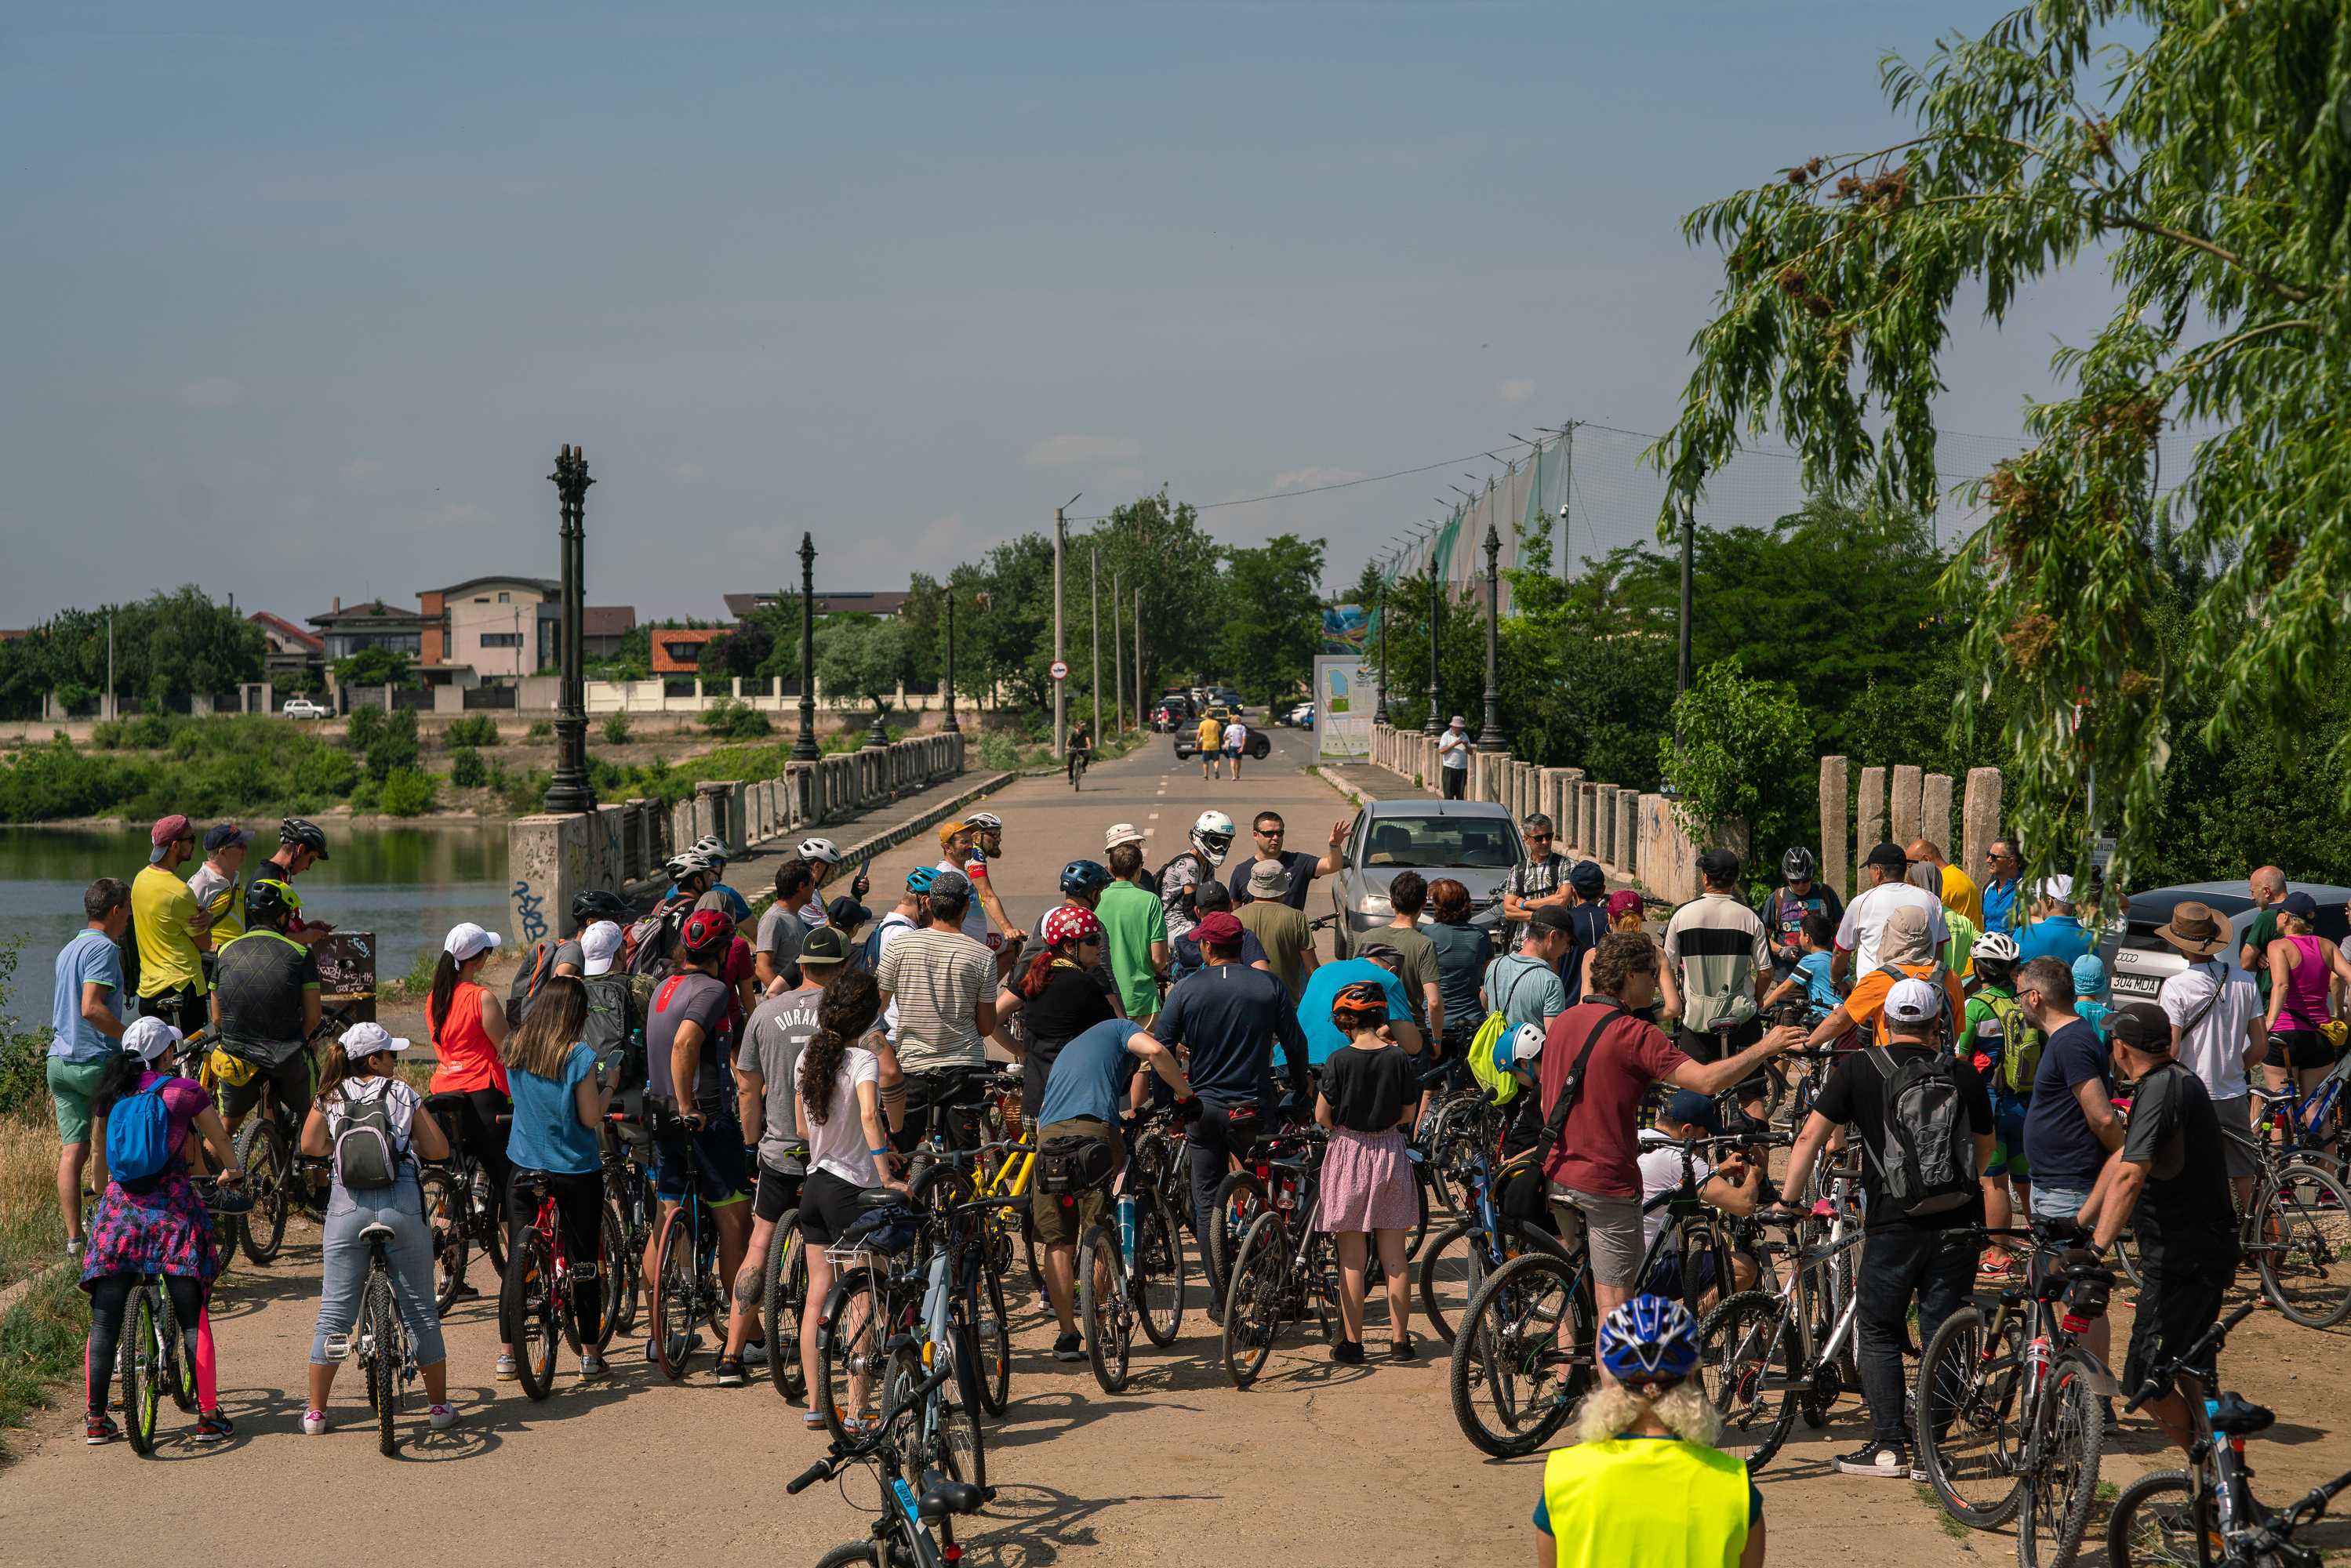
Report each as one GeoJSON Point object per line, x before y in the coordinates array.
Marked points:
{"type": "Point", "coordinates": [1342, 708]}
{"type": "Point", "coordinates": [347, 973]}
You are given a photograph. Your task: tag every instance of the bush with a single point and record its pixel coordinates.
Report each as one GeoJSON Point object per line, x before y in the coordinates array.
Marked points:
{"type": "Point", "coordinates": [390, 755]}
{"type": "Point", "coordinates": [365, 796]}
{"type": "Point", "coordinates": [401, 723]}
{"type": "Point", "coordinates": [525, 791]}
{"type": "Point", "coordinates": [411, 792]}
{"type": "Point", "coordinates": [366, 724]}
{"type": "Point", "coordinates": [326, 771]}
{"type": "Point", "coordinates": [730, 718]}
{"type": "Point", "coordinates": [466, 769]}
{"type": "Point", "coordinates": [539, 731]}
{"type": "Point", "coordinates": [24, 1056]}
{"type": "Point", "coordinates": [997, 752]}
{"type": "Point", "coordinates": [616, 729]}
{"type": "Point", "coordinates": [474, 729]}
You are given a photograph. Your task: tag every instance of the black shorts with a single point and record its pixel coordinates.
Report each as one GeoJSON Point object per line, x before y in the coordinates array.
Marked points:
{"type": "Point", "coordinates": [2174, 1310]}
{"type": "Point", "coordinates": [778, 1193]}
{"type": "Point", "coordinates": [186, 1009]}
{"type": "Point", "coordinates": [829, 1206]}
{"type": "Point", "coordinates": [1707, 1047]}
{"type": "Point", "coordinates": [2301, 1049]}
{"type": "Point", "coordinates": [291, 1080]}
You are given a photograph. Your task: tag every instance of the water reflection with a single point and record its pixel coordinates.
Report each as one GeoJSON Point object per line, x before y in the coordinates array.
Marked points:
{"type": "Point", "coordinates": [407, 885]}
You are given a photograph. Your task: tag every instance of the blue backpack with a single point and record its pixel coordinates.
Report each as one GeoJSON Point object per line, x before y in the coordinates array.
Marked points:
{"type": "Point", "coordinates": [139, 1135]}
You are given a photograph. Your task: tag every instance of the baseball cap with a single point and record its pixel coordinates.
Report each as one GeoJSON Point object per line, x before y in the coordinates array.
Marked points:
{"type": "Point", "coordinates": [825, 944]}
{"type": "Point", "coordinates": [1887, 855]}
{"type": "Point", "coordinates": [228, 835]}
{"type": "Point", "coordinates": [2142, 1027]}
{"type": "Point", "coordinates": [1721, 864]}
{"type": "Point", "coordinates": [466, 939]}
{"type": "Point", "coordinates": [1689, 1105]}
{"type": "Point", "coordinates": [1623, 902]}
{"type": "Point", "coordinates": [1913, 1001]}
{"type": "Point", "coordinates": [1550, 918]}
{"type": "Point", "coordinates": [149, 1038]}
{"type": "Point", "coordinates": [2089, 975]}
{"type": "Point", "coordinates": [1587, 878]}
{"type": "Point", "coordinates": [950, 884]}
{"type": "Point", "coordinates": [1378, 952]}
{"type": "Point", "coordinates": [1209, 893]}
{"type": "Point", "coordinates": [2300, 903]}
{"type": "Point", "coordinates": [600, 944]}
{"type": "Point", "coordinates": [1223, 929]}
{"type": "Point", "coordinates": [367, 1038]}
{"type": "Point", "coordinates": [167, 832]}
{"type": "Point", "coordinates": [948, 831]}
{"type": "Point", "coordinates": [1121, 833]}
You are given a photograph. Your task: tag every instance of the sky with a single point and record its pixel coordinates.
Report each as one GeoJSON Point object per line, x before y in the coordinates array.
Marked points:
{"type": "Point", "coordinates": [300, 301]}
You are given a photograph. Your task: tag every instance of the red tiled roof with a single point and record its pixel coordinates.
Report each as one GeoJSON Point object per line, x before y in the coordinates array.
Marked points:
{"type": "Point", "coordinates": [668, 663]}
{"type": "Point", "coordinates": [287, 629]}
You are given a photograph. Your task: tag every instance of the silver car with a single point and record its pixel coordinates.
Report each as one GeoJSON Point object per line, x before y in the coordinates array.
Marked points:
{"type": "Point", "coordinates": [2138, 961]}
{"type": "Point", "coordinates": [1472, 841]}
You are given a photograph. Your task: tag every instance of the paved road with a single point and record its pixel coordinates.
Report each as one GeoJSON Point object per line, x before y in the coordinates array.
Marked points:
{"type": "Point", "coordinates": [1318, 1463]}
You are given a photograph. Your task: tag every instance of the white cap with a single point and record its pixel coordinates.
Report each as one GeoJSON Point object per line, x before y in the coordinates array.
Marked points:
{"type": "Point", "coordinates": [602, 943]}
{"type": "Point", "coordinates": [467, 940]}
{"type": "Point", "coordinates": [1913, 1001]}
{"type": "Point", "coordinates": [1121, 833]}
{"type": "Point", "coordinates": [149, 1038]}
{"type": "Point", "coordinates": [2059, 888]}
{"type": "Point", "coordinates": [366, 1039]}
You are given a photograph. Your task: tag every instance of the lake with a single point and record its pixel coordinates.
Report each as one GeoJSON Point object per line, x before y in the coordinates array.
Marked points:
{"type": "Point", "coordinates": [407, 885]}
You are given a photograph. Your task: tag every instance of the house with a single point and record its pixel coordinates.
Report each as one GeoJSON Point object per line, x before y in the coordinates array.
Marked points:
{"type": "Point", "coordinates": [739, 605]}
{"type": "Point", "coordinates": [679, 653]}
{"type": "Point", "coordinates": [291, 650]}
{"type": "Point", "coordinates": [494, 626]}
{"type": "Point", "coordinates": [371, 624]}
{"type": "Point", "coordinates": [603, 627]}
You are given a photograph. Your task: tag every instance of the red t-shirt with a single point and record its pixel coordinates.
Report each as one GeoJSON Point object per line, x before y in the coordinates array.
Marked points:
{"type": "Point", "coordinates": [1596, 1151]}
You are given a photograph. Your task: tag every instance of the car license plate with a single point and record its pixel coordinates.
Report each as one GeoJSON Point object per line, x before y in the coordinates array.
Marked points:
{"type": "Point", "coordinates": [2129, 984]}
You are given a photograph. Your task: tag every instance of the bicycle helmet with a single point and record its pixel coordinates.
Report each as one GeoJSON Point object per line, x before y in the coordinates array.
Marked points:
{"type": "Point", "coordinates": [1996, 945]}
{"type": "Point", "coordinates": [1363, 1005]}
{"type": "Point", "coordinates": [266, 903]}
{"type": "Point", "coordinates": [1082, 878]}
{"type": "Point", "coordinates": [706, 931]}
{"type": "Point", "coordinates": [1070, 924]}
{"type": "Point", "coordinates": [294, 833]}
{"type": "Point", "coordinates": [983, 822]}
{"type": "Point", "coordinates": [815, 850]}
{"type": "Point", "coordinates": [1526, 1045]}
{"type": "Point", "coordinates": [1212, 836]}
{"type": "Point", "coordinates": [685, 864]}
{"type": "Point", "coordinates": [1797, 864]}
{"type": "Point", "coordinates": [1649, 1340]}
{"type": "Point", "coordinates": [598, 903]}
{"type": "Point", "coordinates": [712, 849]}
{"type": "Point", "coordinates": [918, 881]}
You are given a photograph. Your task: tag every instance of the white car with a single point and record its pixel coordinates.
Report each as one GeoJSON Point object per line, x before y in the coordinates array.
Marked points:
{"type": "Point", "coordinates": [302, 707]}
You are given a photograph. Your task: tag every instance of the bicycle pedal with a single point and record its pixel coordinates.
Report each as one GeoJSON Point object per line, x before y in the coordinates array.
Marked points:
{"type": "Point", "coordinates": [338, 1347]}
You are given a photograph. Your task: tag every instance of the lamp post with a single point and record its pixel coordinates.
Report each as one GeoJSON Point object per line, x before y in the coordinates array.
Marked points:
{"type": "Point", "coordinates": [1380, 715]}
{"type": "Point", "coordinates": [1491, 738]}
{"type": "Point", "coordinates": [804, 749]}
{"type": "Point", "coordinates": [951, 726]}
{"type": "Point", "coordinates": [571, 790]}
{"type": "Point", "coordinates": [1432, 725]}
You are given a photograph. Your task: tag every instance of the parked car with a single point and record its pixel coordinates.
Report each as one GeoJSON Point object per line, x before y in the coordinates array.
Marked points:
{"type": "Point", "coordinates": [1172, 710]}
{"type": "Point", "coordinates": [1187, 739]}
{"type": "Point", "coordinates": [1473, 842]}
{"type": "Point", "coordinates": [1301, 716]}
{"type": "Point", "coordinates": [302, 707]}
{"type": "Point", "coordinates": [2138, 961]}
{"type": "Point", "coordinates": [1227, 696]}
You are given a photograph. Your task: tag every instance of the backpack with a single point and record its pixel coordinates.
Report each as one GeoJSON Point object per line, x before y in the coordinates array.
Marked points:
{"type": "Point", "coordinates": [1489, 1048]}
{"type": "Point", "coordinates": [1937, 977]}
{"type": "Point", "coordinates": [612, 1031]}
{"type": "Point", "coordinates": [138, 1137]}
{"type": "Point", "coordinates": [531, 975]}
{"type": "Point", "coordinates": [646, 944]}
{"type": "Point", "coordinates": [2020, 1042]}
{"type": "Point", "coordinates": [367, 1154]}
{"type": "Point", "coordinates": [1926, 1158]}
{"type": "Point", "coordinates": [1182, 903]}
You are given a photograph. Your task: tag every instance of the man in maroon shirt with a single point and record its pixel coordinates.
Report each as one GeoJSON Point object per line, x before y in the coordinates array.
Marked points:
{"type": "Point", "coordinates": [1593, 1170]}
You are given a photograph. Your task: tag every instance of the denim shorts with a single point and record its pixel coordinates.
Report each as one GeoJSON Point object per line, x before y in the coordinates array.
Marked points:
{"type": "Point", "coordinates": [2058, 1202]}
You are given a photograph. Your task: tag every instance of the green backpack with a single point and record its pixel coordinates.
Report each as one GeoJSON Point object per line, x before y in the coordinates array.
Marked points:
{"type": "Point", "coordinates": [1493, 1035]}
{"type": "Point", "coordinates": [2021, 1043]}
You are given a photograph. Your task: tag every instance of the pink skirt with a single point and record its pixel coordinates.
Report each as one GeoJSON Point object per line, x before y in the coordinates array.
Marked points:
{"type": "Point", "coordinates": [1367, 1182]}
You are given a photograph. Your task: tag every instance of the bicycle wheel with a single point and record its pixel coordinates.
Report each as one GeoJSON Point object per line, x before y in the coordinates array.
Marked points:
{"type": "Point", "coordinates": [1747, 1363]}
{"type": "Point", "coordinates": [528, 1313]}
{"type": "Point", "coordinates": [1240, 1199]}
{"type": "Point", "coordinates": [991, 1337]}
{"type": "Point", "coordinates": [1102, 1311]}
{"type": "Point", "coordinates": [1161, 1273]}
{"type": "Point", "coordinates": [2303, 1248]}
{"type": "Point", "coordinates": [1257, 1299]}
{"type": "Point", "coordinates": [849, 1340]}
{"type": "Point", "coordinates": [138, 1359]}
{"type": "Point", "coordinates": [674, 1279]}
{"type": "Point", "coordinates": [179, 1379]}
{"type": "Point", "coordinates": [613, 1245]}
{"type": "Point", "coordinates": [628, 1285]}
{"type": "Point", "coordinates": [380, 1329]}
{"type": "Point", "coordinates": [1969, 1437]}
{"type": "Point", "coordinates": [783, 1298]}
{"type": "Point", "coordinates": [1511, 1381]}
{"type": "Point", "coordinates": [261, 1151]}
{"type": "Point", "coordinates": [1419, 1232]}
{"type": "Point", "coordinates": [2125, 1254]}
{"type": "Point", "coordinates": [2060, 1488]}
{"type": "Point", "coordinates": [962, 1446]}
{"type": "Point", "coordinates": [2155, 1524]}
{"type": "Point", "coordinates": [1450, 1269]}
{"type": "Point", "coordinates": [444, 1212]}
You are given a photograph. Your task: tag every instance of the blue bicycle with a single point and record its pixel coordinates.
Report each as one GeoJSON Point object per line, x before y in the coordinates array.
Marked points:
{"type": "Point", "coordinates": [903, 1535]}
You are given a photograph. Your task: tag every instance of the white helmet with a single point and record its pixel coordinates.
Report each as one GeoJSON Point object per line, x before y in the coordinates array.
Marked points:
{"type": "Point", "coordinates": [710, 847]}
{"type": "Point", "coordinates": [813, 849]}
{"type": "Point", "coordinates": [1212, 835]}
{"type": "Point", "coordinates": [1526, 1044]}
{"type": "Point", "coordinates": [987, 819]}
{"type": "Point", "coordinates": [687, 864]}
{"type": "Point", "coordinates": [1996, 945]}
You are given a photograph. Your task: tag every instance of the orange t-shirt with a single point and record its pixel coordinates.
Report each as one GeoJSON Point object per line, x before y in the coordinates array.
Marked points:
{"type": "Point", "coordinates": [469, 1058]}
{"type": "Point", "coordinates": [1868, 996]}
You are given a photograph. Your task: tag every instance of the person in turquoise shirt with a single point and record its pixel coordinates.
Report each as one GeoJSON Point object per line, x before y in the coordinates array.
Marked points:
{"type": "Point", "coordinates": [2090, 992]}
{"type": "Point", "coordinates": [2004, 891]}
{"type": "Point", "coordinates": [2057, 934]}
{"type": "Point", "coordinates": [1375, 962]}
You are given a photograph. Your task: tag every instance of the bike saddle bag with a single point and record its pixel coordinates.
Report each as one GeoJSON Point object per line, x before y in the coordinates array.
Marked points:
{"type": "Point", "coordinates": [2237, 1417]}
{"type": "Point", "coordinates": [887, 1230]}
{"type": "Point", "coordinates": [1068, 1167]}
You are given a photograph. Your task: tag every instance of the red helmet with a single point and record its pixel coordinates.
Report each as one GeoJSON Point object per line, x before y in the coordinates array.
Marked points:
{"type": "Point", "coordinates": [1070, 924]}
{"type": "Point", "coordinates": [707, 930]}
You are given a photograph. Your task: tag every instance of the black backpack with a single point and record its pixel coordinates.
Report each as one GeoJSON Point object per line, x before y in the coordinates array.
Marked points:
{"type": "Point", "coordinates": [1927, 1158]}
{"type": "Point", "coordinates": [612, 1030]}
{"type": "Point", "coordinates": [528, 977]}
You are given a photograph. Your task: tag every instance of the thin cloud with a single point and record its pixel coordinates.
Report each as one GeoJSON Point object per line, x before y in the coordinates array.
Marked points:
{"type": "Point", "coordinates": [366, 471]}
{"type": "Point", "coordinates": [1516, 392]}
{"type": "Point", "coordinates": [1119, 478]}
{"type": "Point", "coordinates": [212, 392]}
{"type": "Point", "coordinates": [1062, 451]}
{"type": "Point", "coordinates": [456, 515]}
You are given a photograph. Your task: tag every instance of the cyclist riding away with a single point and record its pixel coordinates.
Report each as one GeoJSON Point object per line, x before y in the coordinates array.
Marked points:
{"type": "Point", "coordinates": [266, 1008]}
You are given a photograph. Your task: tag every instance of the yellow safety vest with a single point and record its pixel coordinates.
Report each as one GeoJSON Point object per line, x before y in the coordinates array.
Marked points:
{"type": "Point", "coordinates": [1645, 1503]}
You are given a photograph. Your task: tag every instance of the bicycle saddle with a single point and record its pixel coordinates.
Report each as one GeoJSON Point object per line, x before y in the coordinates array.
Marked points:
{"type": "Point", "coordinates": [533, 1182]}
{"type": "Point", "coordinates": [448, 1102]}
{"type": "Point", "coordinates": [942, 1497]}
{"type": "Point", "coordinates": [2239, 1417]}
{"type": "Point", "coordinates": [384, 1233]}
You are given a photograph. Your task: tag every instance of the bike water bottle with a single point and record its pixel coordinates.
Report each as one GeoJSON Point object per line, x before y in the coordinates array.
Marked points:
{"type": "Point", "coordinates": [1126, 1224]}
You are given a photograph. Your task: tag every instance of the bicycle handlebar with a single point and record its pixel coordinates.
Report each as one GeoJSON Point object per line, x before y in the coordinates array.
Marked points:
{"type": "Point", "coordinates": [2213, 1337]}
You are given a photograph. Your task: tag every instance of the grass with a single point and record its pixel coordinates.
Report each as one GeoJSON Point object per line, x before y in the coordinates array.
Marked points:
{"type": "Point", "coordinates": [1951, 1526]}
{"type": "Point", "coordinates": [43, 1336]}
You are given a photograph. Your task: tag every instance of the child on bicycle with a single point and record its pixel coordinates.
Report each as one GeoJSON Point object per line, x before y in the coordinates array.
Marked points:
{"type": "Point", "coordinates": [155, 1225]}
{"type": "Point", "coordinates": [559, 1101]}
{"type": "Point", "coordinates": [1369, 1093]}
{"type": "Point", "coordinates": [358, 1073]}
{"type": "Point", "coordinates": [1809, 982]}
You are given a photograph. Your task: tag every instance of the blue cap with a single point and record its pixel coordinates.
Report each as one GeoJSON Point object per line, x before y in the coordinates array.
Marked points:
{"type": "Point", "coordinates": [2089, 976]}
{"type": "Point", "coordinates": [1690, 1106]}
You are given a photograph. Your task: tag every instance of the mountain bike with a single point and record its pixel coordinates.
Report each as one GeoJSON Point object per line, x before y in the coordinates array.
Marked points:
{"type": "Point", "coordinates": [783, 1295]}
{"type": "Point", "coordinates": [387, 1356]}
{"type": "Point", "coordinates": [266, 1142]}
{"type": "Point", "coordinates": [1452, 1267]}
{"type": "Point", "coordinates": [1273, 1272]}
{"type": "Point", "coordinates": [151, 1362]}
{"type": "Point", "coordinates": [685, 1267]}
{"type": "Point", "coordinates": [901, 1536]}
{"type": "Point", "coordinates": [629, 1196]}
{"type": "Point", "coordinates": [535, 1302]}
{"type": "Point", "coordinates": [460, 1206]}
{"type": "Point", "coordinates": [2296, 1233]}
{"type": "Point", "coordinates": [1130, 1270]}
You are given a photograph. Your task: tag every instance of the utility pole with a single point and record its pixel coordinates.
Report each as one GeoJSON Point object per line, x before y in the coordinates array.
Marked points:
{"type": "Point", "coordinates": [1690, 551]}
{"type": "Point", "coordinates": [1567, 498]}
{"type": "Point", "coordinates": [110, 712]}
{"type": "Point", "coordinates": [1381, 716]}
{"type": "Point", "coordinates": [1138, 655]}
{"type": "Point", "coordinates": [1093, 669]}
{"type": "Point", "coordinates": [804, 749]}
{"type": "Point", "coordinates": [1061, 654]}
{"type": "Point", "coordinates": [570, 791]}
{"type": "Point", "coordinates": [1118, 646]}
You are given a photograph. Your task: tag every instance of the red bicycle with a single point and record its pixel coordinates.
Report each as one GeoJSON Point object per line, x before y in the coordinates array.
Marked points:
{"type": "Point", "coordinates": [534, 1302]}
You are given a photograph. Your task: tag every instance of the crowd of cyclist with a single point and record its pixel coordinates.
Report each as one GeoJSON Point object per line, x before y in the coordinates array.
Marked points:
{"type": "Point", "coordinates": [798, 1059]}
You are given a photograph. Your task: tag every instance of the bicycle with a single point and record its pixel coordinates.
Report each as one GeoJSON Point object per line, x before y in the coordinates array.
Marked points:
{"type": "Point", "coordinates": [628, 1196]}
{"type": "Point", "coordinates": [265, 1146]}
{"type": "Point", "coordinates": [901, 1534]}
{"type": "Point", "coordinates": [1130, 1272]}
{"type": "Point", "coordinates": [2296, 1232]}
{"type": "Point", "coordinates": [1079, 761]}
{"type": "Point", "coordinates": [2004, 1422]}
{"type": "Point", "coordinates": [460, 1206]}
{"type": "Point", "coordinates": [1270, 1275]}
{"type": "Point", "coordinates": [1486, 1240]}
{"type": "Point", "coordinates": [534, 1302]}
{"type": "Point", "coordinates": [150, 1360]}
{"type": "Point", "coordinates": [387, 1356]}
{"type": "Point", "coordinates": [685, 1267]}
{"type": "Point", "coordinates": [783, 1296]}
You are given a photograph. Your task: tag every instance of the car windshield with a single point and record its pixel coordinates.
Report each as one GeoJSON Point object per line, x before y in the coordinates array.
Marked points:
{"type": "Point", "coordinates": [1442, 843]}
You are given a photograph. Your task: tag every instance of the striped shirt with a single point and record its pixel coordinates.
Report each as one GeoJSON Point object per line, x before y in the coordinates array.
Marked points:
{"type": "Point", "coordinates": [937, 980]}
{"type": "Point", "coordinates": [1720, 945]}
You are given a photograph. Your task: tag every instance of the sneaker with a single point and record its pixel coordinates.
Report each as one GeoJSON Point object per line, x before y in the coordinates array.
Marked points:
{"type": "Point", "coordinates": [101, 1429]}
{"type": "Point", "coordinates": [441, 1417]}
{"type": "Point", "coordinates": [505, 1369]}
{"type": "Point", "coordinates": [591, 1365]}
{"type": "Point", "coordinates": [756, 1354]}
{"type": "Point", "coordinates": [313, 1423]}
{"type": "Point", "coordinates": [1889, 1460]}
{"type": "Point", "coordinates": [1992, 1265]}
{"type": "Point", "coordinates": [1402, 1350]}
{"type": "Point", "coordinates": [229, 1200]}
{"type": "Point", "coordinates": [652, 1351]}
{"type": "Point", "coordinates": [1069, 1347]}
{"type": "Point", "coordinates": [1215, 1311]}
{"type": "Point", "coordinates": [1349, 1352]}
{"type": "Point", "coordinates": [211, 1426]}
{"type": "Point", "coordinates": [730, 1372]}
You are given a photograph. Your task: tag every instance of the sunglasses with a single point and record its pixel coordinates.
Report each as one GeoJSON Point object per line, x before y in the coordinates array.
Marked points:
{"type": "Point", "coordinates": [1270, 832]}
{"type": "Point", "coordinates": [1088, 941]}
{"type": "Point", "coordinates": [1538, 838]}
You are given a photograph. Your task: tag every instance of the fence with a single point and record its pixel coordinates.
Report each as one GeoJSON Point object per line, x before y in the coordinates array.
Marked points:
{"type": "Point", "coordinates": [678, 693]}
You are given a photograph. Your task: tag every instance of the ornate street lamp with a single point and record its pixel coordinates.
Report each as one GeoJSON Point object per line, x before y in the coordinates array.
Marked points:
{"type": "Point", "coordinates": [804, 749]}
{"type": "Point", "coordinates": [1380, 715]}
{"type": "Point", "coordinates": [1492, 738]}
{"type": "Point", "coordinates": [571, 790]}
{"type": "Point", "coordinates": [951, 726]}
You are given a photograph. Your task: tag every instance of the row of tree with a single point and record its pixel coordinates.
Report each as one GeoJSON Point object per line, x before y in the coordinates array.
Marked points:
{"type": "Point", "coordinates": [166, 646]}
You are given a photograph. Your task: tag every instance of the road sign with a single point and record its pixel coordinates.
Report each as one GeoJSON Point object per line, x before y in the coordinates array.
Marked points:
{"type": "Point", "coordinates": [2102, 853]}
{"type": "Point", "coordinates": [1058, 670]}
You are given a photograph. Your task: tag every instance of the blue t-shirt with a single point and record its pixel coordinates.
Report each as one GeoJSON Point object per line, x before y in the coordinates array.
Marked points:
{"type": "Point", "coordinates": [2060, 937]}
{"type": "Point", "coordinates": [1230, 1018]}
{"type": "Point", "coordinates": [1820, 990]}
{"type": "Point", "coordinates": [1088, 1075]}
{"type": "Point", "coordinates": [2094, 1014]}
{"type": "Point", "coordinates": [89, 957]}
{"type": "Point", "coordinates": [1322, 987]}
{"type": "Point", "coordinates": [2058, 1143]}
{"type": "Point", "coordinates": [2001, 901]}
{"type": "Point", "coordinates": [1524, 990]}
{"type": "Point", "coordinates": [547, 1135]}
{"type": "Point", "coordinates": [1462, 954]}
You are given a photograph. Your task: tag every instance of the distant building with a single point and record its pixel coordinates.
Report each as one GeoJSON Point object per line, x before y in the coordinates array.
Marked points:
{"type": "Point", "coordinates": [291, 650]}
{"type": "Point", "coordinates": [606, 625]}
{"type": "Point", "coordinates": [679, 652]}
{"type": "Point", "coordinates": [739, 605]}
{"type": "Point", "coordinates": [371, 624]}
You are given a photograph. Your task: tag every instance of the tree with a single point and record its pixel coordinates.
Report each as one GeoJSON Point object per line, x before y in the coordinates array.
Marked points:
{"type": "Point", "coordinates": [374, 667]}
{"type": "Point", "coordinates": [860, 656]}
{"type": "Point", "coordinates": [2200, 147]}
{"type": "Point", "coordinates": [1272, 620]}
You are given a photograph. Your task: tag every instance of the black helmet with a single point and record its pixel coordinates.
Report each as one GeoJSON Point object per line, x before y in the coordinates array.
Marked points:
{"type": "Point", "coordinates": [1796, 865]}
{"type": "Point", "coordinates": [598, 903]}
{"type": "Point", "coordinates": [1082, 878]}
{"type": "Point", "coordinates": [267, 902]}
{"type": "Point", "coordinates": [296, 833]}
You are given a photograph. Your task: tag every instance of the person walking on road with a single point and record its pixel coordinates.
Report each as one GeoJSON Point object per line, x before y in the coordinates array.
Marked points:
{"type": "Point", "coordinates": [87, 1013]}
{"type": "Point", "coordinates": [1211, 747]}
{"type": "Point", "coordinates": [1267, 914]}
{"type": "Point", "coordinates": [1453, 758]}
{"type": "Point", "coordinates": [1236, 740]}
{"type": "Point", "coordinates": [1370, 1090]}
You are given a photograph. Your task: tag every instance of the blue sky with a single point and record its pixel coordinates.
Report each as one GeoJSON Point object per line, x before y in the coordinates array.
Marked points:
{"type": "Point", "coordinates": [300, 301]}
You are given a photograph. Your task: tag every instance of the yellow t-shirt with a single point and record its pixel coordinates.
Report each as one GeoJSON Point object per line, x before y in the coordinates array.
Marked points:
{"type": "Point", "coordinates": [1657, 1501]}
{"type": "Point", "coordinates": [1960, 893]}
{"type": "Point", "coordinates": [1212, 734]}
{"type": "Point", "coordinates": [165, 912]}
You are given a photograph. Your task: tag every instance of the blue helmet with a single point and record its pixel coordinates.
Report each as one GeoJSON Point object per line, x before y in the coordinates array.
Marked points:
{"type": "Point", "coordinates": [1649, 1340]}
{"type": "Point", "coordinates": [1082, 878]}
{"type": "Point", "coordinates": [919, 879]}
